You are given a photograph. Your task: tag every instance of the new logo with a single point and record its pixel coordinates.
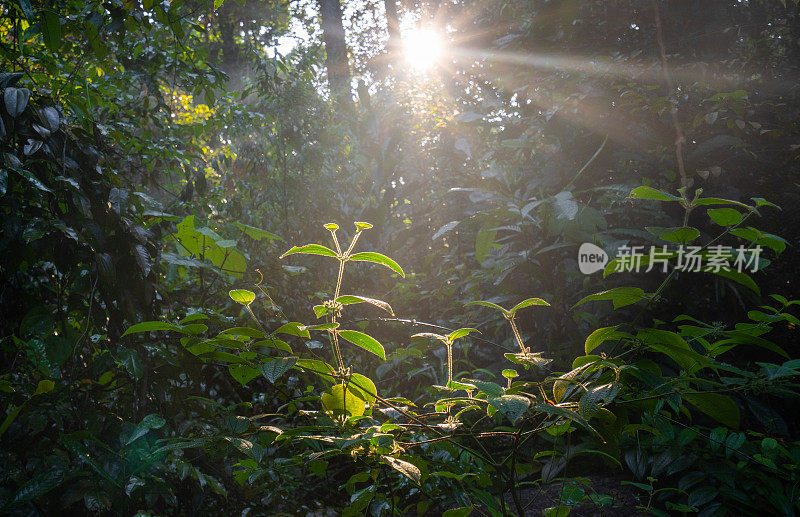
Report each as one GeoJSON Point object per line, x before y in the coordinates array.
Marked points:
{"type": "Point", "coordinates": [591, 258]}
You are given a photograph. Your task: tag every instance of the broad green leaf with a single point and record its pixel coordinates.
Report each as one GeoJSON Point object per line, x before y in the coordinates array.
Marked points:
{"type": "Point", "coordinates": [293, 328]}
{"type": "Point", "coordinates": [527, 303]}
{"type": "Point", "coordinates": [149, 326]}
{"type": "Point", "coordinates": [311, 249]}
{"type": "Point", "coordinates": [584, 360]}
{"type": "Point", "coordinates": [760, 201]}
{"type": "Point", "coordinates": [272, 370]}
{"type": "Point", "coordinates": [566, 383]}
{"type": "Point", "coordinates": [225, 357]}
{"type": "Point", "coordinates": [377, 258]}
{"type": "Point", "coordinates": [360, 225]}
{"type": "Point", "coordinates": [193, 317]}
{"type": "Point", "coordinates": [149, 422]}
{"type": "Point", "coordinates": [332, 227]}
{"type": "Point", "coordinates": [256, 233]}
{"type": "Point", "coordinates": [512, 406]}
{"type": "Point", "coordinates": [242, 296]}
{"type": "Point", "coordinates": [364, 341]}
{"type": "Point", "coordinates": [44, 387]}
{"type": "Point", "coordinates": [736, 338]}
{"type": "Point", "coordinates": [490, 388]}
{"type": "Point", "coordinates": [320, 311]}
{"type": "Point", "coordinates": [317, 367]}
{"type": "Point", "coordinates": [409, 470]}
{"type": "Point", "coordinates": [721, 408]}
{"type": "Point", "coordinates": [673, 346]}
{"type": "Point", "coordinates": [131, 361]}
{"type": "Point", "coordinates": [601, 335]}
{"type": "Point", "coordinates": [459, 385]}
{"type": "Point", "coordinates": [274, 343]}
{"type": "Point", "coordinates": [28, 175]}
{"type": "Point", "coordinates": [10, 417]}
{"type": "Point", "coordinates": [619, 296]}
{"type": "Point", "coordinates": [51, 30]}
{"type": "Point", "coordinates": [756, 236]}
{"type": "Point", "coordinates": [464, 511]}
{"type": "Point", "coordinates": [740, 278]}
{"type": "Point", "coordinates": [339, 400]}
{"type": "Point", "coordinates": [563, 410]}
{"type": "Point", "coordinates": [40, 485]}
{"type": "Point", "coordinates": [706, 201]}
{"type": "Point", "coordinates": [682, 234]}
{"type": "Point", "coordinates": [489, 304]}
{"type": "Point", "coordinates": [202, 243]}
{"type": "Point", "coordinates": [508, 373]}
{"type": "Point", "coordinates": [365, 387]}
{"type": "Point", "coordinates": [651, 193]}
{"type": "Point", "coordinates": [725, 216]}
{"type": "Point", "coordinates": [590, 403]}
{"type": "Point", "coordinates": [244, 331]}
{"type": "Point", "coordinates": [243, 373]}
{"type": "Point", "coordinates": [349, 299]}
{"type": "Point", "coordinates": [456, 334]}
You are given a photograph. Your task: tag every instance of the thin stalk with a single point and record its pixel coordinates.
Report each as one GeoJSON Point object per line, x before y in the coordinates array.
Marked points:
{"type": "Point", "coordinates": [335, 339]}
{"type": "Point", "coordinates": [339, 280]}
{"type": "Point", "coordinates": [352, 244]}
{"type": "Point", "coordinates": [449, 363]}
{"type": "Point", "coordinates": [517, 335]}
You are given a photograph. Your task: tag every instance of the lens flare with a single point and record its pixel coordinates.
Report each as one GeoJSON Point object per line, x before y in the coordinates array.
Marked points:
{"type": "Point", "coordinates": [422, 48]}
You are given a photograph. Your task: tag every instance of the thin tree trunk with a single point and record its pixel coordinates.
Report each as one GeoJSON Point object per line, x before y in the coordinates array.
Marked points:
{"type": "Point", "coordinates": [393, 23]}
{"type": "Point", "coordinates": [336, 53]}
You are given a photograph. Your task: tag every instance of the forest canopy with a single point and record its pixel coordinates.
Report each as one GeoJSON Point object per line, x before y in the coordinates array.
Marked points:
{"type": "Point", "coordinates": [357, 257]}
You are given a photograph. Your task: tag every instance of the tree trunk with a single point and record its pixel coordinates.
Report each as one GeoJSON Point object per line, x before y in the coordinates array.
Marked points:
{"type": "Point", "coordinates": [393, 24]}
{"type": "Point", "coordinates": [336, 53]}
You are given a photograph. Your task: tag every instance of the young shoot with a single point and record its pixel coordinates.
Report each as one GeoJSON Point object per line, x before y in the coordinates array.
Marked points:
{"type": "Point", "coordinates": [509, 314]}
{"type": "Point", "coordinates": [332, 308]}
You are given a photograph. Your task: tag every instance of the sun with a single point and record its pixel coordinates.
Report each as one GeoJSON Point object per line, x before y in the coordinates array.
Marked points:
{"type": "Point", "coordinates": [422, 48]}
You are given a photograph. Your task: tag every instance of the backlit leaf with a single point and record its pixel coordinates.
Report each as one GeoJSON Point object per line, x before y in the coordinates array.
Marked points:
{"type": "Point", "coordinates": [377, 258]}
{"type": "Point", "coordinates": [340, 400]}
{"type": "Point", "coordinates": [311, 249]}
{"type": "Point", "coordinates": [364, 341]}
{"type": "Point", "coordinates": [409, 470]}
{"type": "Point", "coordinates": [527, 303]}
{"type": "Point", "coordinates": [242, 296]}
{"type": "Point", "coordinates": [651, 193]}
{"type": "Point", "coordinates": [149, 326]}
{"type": "Point", "coordinates": [619, 296]}
{"type": "Point", "coordinates": [725, 216]}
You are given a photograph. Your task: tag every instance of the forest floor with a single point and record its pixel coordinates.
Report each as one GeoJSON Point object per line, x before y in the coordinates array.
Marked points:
{"type": "Point", "coordinates": [616, 500]}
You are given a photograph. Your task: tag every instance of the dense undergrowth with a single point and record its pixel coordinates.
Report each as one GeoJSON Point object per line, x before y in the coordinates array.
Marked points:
{"type": "Point", "coordinates": [171, 346]}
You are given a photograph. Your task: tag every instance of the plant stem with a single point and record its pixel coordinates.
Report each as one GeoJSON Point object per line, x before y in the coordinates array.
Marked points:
{"type": "Point", "coordinates": [517, 335]}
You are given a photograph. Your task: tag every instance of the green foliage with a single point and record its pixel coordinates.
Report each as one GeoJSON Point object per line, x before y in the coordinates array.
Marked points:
{"type": "Point", "coordinates": [153, 155]}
